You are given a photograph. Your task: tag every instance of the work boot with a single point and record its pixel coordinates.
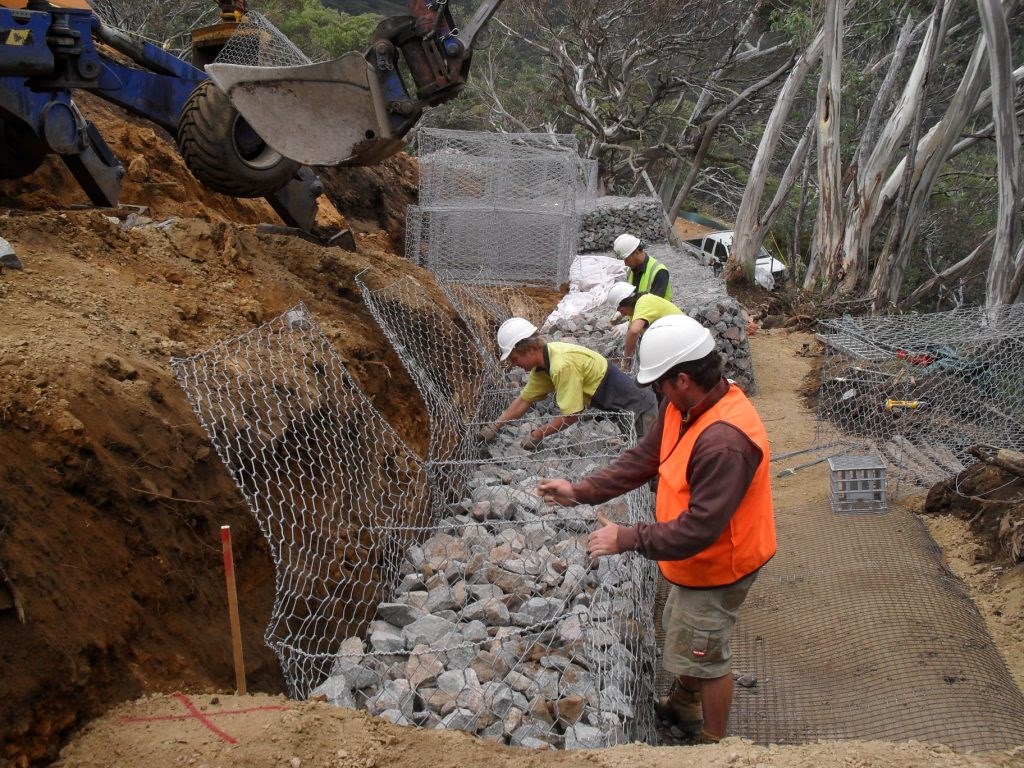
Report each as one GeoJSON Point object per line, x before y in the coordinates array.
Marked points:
{"type": "Point", "coordinates": [681, 707]}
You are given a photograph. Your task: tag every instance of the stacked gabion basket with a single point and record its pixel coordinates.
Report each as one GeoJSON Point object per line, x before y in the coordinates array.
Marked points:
{"type": "Point", "coordinates": [498, 203]}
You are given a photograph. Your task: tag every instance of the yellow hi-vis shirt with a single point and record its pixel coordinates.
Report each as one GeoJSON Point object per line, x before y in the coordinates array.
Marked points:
{"type": "Point", "coordinates": [574, 373]}
{"type": "Point", "coordinates": [650, 308]}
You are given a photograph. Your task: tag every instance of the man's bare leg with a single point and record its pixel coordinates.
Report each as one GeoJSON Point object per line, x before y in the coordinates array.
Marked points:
{"type": "Point", "coordinates": [715, 699]}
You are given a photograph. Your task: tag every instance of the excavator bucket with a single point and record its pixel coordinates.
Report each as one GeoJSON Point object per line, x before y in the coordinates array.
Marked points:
{"type": "Point", "coordinates": [331, 113]}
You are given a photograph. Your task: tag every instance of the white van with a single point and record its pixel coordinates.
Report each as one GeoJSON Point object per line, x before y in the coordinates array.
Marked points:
{"type": "Point", "coordinates": [768, 270]}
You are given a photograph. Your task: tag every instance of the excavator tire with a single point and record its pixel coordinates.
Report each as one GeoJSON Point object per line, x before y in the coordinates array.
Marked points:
{"type": "Point", "coordinates": [223, 152]}
{"type": "Point", "coordinates": [20, 151]}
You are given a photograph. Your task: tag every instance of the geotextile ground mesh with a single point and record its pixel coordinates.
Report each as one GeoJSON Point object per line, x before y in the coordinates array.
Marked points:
{"type": "Point", "coordinates": [856, 630]}
{"type": "Point", "coordinates": [438, 592]}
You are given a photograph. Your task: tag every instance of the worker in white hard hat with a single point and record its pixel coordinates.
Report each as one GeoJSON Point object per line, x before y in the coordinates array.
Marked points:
{"type": "Point", "coordinates": [578, 377]}
{"type": "Point", "coordinates": [643, 273]}
{"type": "Point", "coordinates": [642, 309]}
{"type": "Point", "coordinates": [715, 525]}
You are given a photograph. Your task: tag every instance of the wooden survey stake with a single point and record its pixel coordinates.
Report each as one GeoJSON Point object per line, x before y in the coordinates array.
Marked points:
{"type": "Point", "coordinates": [236, 630]}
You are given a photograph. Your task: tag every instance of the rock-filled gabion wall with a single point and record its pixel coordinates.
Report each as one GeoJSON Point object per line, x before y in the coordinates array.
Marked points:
{"type": "Point", "coordinates": [605, 218]}
{"type": "Point", "coordinates": [502, 625]}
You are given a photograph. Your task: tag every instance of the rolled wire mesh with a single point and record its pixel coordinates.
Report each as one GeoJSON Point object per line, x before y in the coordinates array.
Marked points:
{"type": "Point", "coordinates": [921, 389]}
{"type": "Point", "coordinates": [856, 630]}
{"type": "Point", "coordinates": [336, 492]}
{"type": "Point", "coordinates": [257, 42]}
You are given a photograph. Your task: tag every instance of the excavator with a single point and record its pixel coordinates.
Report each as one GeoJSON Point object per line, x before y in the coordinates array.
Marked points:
{"type": "Point", "coordinates": [244, 131]}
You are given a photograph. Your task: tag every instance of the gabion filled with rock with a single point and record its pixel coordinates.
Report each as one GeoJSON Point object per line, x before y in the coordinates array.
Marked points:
{"type": "Point", "coordinates": [437, 592]}
{"type": "Point", "coordinates": [605, 218]}
{"type": "Point", "coordinates": [501, 624]}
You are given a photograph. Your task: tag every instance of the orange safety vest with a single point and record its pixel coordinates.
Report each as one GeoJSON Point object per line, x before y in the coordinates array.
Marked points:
{"type": "Point", "coordinates": [748, 541]}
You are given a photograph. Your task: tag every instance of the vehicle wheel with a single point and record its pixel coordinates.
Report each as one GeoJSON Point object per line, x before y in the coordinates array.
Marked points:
{"type": "Point", "coordinates": [224, 152]}
{"type": "Point", "coordinates": [20, 151]}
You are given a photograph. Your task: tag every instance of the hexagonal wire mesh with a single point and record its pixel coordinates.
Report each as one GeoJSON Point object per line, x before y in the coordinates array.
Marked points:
{"type": "Point", "coordinates": [491, 617]}
{"type": "Point", "coordinates": [502, 203]}
{"type": "Point", "coordinates": [337, 493]}
{"type": "Point", "coordinates": [518, 246]}
{"type": "Point", "coordinates": [257, 42]}
{"type": "Point", "coordinates": [484, 305]}
{"type": "Point", "coordinates": [922, 389]}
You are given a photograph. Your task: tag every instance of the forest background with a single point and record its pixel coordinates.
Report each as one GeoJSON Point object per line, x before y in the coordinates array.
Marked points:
{"type": "Point", "coordinates": [873, 146]}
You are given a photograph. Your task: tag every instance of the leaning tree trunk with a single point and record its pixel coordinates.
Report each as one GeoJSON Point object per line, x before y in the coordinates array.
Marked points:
{"type": "Point", "coordinates": [1001, 268]}
{"type": "Point", "coordinates": [745, 246]}
{"type": "Point", "coordinates": [890, 266]}
{"type": "Point", "coordinates": [829, 225]}
{"type": "Point", "coordinates": [711, 130]}
{"type": "Point", "coordinates": [929, 157]}
{"type": "Point", "coordinates": [866, 197]}
{"type": "Point", "coordinates": [949, 273]}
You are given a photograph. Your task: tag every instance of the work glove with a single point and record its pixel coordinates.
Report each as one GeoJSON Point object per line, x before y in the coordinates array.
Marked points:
{"type": "Point", "coordinates": [530, 443]}
{"type": "Point", "coordinates": [488, 433]}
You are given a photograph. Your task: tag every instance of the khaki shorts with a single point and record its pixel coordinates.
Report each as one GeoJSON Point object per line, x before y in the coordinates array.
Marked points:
{"type": "Point", "coordinates": [698, 626]}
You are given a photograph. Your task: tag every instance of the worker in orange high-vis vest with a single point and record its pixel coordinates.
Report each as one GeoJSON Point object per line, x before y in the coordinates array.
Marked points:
{"type": "Point", "coordinates": [715, 526]}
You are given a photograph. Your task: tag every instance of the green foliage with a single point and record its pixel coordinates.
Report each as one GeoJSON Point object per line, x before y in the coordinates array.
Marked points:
{"type": "Point", "coordinates": [321, 32]}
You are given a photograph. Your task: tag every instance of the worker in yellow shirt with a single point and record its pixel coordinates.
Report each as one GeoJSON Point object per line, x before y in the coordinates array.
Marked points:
{"type": "Point", "coordinates": [578, 377]}
{"type": "Point", "coordinates": [642, 309]}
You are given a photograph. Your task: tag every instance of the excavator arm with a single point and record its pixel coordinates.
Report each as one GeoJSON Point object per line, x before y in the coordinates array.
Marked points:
{"type": "Point", "coordinates": [356, 110]}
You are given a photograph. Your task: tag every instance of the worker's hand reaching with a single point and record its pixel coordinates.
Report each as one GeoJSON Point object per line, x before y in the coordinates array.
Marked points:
{"type": "Point", "coordinates": [605, 540]}
{"type": "Point", "coordinates": [556, 491]}
{"type": "Point", "coordinates": [488, 433]}
{"type": "Point", "coordinates": [531, 442]}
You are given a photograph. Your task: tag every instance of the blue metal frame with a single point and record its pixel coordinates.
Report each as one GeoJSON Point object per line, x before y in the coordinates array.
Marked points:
{"type": "Point", "coordinates": [158, 95]}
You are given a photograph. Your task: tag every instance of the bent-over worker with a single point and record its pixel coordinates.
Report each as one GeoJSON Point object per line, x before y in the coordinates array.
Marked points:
{"type": "Point", "coordinates": [715, 525]}
{"type": "Point", "coordinates": [579, 377]}
{"type": "Point", "coordinates": [642, 309]}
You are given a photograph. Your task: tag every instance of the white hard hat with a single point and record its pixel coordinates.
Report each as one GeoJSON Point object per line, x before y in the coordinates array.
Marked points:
{"type": "Point", "coordinates": [625, 244]}
{"type": "Point", "coordinates": [511, 332]}
{"type": "Point", "coordinates": [670, 340]}
{"type": "Point", "coordinates": [619, 293]}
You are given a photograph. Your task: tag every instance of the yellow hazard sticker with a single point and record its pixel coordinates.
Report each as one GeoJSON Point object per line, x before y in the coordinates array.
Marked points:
{"type": "Point", "coordinates": [15, 37]}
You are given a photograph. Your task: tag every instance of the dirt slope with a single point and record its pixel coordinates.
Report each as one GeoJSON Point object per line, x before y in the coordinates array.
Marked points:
{"type": "Point", "coordinates": [112, 499]}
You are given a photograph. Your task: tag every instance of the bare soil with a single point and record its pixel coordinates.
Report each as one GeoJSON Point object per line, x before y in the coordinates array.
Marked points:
{"type": "Point", "coordinates": [111, 589]}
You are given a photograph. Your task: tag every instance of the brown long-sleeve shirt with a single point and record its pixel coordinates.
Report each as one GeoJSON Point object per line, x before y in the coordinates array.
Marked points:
{"type": "Point", "coordinates": [720, 470]}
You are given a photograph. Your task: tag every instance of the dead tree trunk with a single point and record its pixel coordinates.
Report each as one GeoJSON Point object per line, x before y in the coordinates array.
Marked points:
{"type": "Point", "coordinates": [1001, 268]}
{"type": "Point", "coordinates": [745, 245]}
{"type": "Point", "coordinates": [829, 224]}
